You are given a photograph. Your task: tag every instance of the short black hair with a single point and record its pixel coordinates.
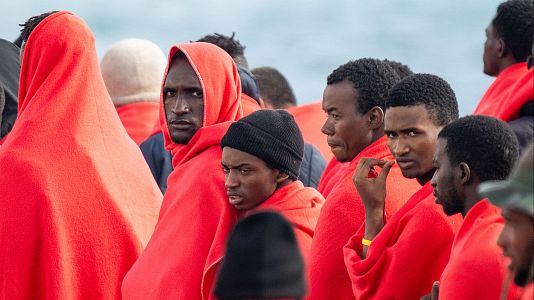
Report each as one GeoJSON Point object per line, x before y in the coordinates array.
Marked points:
{"type": "Point", "coordinates": [371, 78]}
{"type": "Point", "coordinates": [402, 70]}
{"type": "Point", "coordinates": [232, 46]}
{"type": "Point", "coordinates": [429, 90]}
{"type": "Point", "coordinates": [486, 144]}
{"type": "Point", "coordinates": [274, 87]}
{"type": "Point", "coordinates": [30, 25]}
{"type": "Point", "coordinates": [514, 23]}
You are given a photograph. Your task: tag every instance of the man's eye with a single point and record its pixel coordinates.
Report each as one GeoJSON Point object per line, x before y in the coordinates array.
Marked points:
{"type": "Point", "coordinates": [226, 170]}
{"type": "Point", "coordinates": [197, 94]}
{"type": "Point", "coordinates": [169, 93]}
{"type": "Point", "coordinates": [411, 133]}
{"type": "Point", "coordinates": [244, 171]}
{"type": "Point", "coordinates": [391, 135]}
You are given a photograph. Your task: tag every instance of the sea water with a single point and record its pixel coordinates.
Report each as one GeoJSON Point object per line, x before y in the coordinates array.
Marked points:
{"type": "Point", "coordinates": [305, 40]}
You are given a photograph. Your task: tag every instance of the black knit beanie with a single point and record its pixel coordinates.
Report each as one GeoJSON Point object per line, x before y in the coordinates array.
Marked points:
{"type": "Point", "coordinates": [262, 260]}
{"type": "Point", "coordinates": [271, 135]}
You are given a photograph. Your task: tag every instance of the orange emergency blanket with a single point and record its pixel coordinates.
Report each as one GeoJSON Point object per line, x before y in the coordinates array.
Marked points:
{"type": "Point", "coordinates": [477, 268]}
{"type": "Point", "coordinates": [505, 97]}
{"type": "Point", "coordinates": [78, 200]}
{"type": "Point", "coordinates": [139, 119]}
{"type": "Point", "coordinates": [181, 259]}
{"type": "Point", "coordinates": [407, 256]}
{"type": "Point", "coordinates": [340, 218]}
{"type": "Point", "coordinates": [331, 176]}
{"type": "Point", "coordinates": [249, 105]}
{"type": "Point", "coordinates": [301, 207]}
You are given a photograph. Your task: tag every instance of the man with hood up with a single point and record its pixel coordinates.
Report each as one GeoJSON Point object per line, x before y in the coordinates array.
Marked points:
{"type": "Point", "coordinates": [78, 203]}
{"type": "Point", "coordinates": [200, 99]}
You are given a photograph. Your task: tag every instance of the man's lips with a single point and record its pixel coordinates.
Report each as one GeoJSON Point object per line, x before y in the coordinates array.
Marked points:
{"type": "Point", "coordinates": [405, 163]}
{"type": "Point", "coordinates": [333, 146]}
{"type": "Point", "coordinates": [235, 198]}
{"type": "Point", "coordinates": [180, 124]}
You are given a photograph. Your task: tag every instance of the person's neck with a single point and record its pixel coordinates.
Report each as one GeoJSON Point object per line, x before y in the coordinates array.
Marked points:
{"type": "Point", "coordinates": [377, 134]}
{"type": "Point", "coordinates": [424, 179]}
{"type": "Point", "coordinates": [471, 196]}
{"type": "Point", "coordinates": [285, 183]}
{"type": "Point", "coordinates": [506, 63]}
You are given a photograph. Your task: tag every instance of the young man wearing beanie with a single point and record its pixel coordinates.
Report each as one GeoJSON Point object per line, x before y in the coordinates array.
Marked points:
{"type": "Point", "coordinates": [354, 101]}
{"type": "Point", "coordinates": [262, 261]}
{"type": "Point", "coordinates": [471, 150]}
{"type": "Point", "coordinates": [133, 70]}
{"type": "Point", "coordinates": [201, 97]}
{"type": "Point", "coordinates": [515, 196]}
{"type": "Point", "coordinates": [261, 158]}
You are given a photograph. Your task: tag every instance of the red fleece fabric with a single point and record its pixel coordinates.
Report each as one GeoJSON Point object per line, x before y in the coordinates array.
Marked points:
{"type": "Point", "coordinates": [505, 97]}
{"type": "Point", "coordinates": [181, 259]}
{"type": "Point", "coordinates": [310, 118]}
{"type": "Point", "coordinates": [407, 256]}
{"type": "Point", "coordinates": [528, 292]}
{"type": "Point", "coordinates": [301, 207]}
{"type": "Point", "coordinates": [249, 105]}
{"type": "Point", "coordinates": [341, 216]}
{"type": "Point", "coordinates": [331, 176]}
{"type": "Point", "coordinates": [78, 200]}
{"type": "Point", "coordinates": [139, 119]}
{"type": "Point", "coordinates": [477, 268]}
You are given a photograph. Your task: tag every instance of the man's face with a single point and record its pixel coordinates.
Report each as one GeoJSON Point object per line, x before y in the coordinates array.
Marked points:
{"type": "Point", "coordinates": [446, 181]}
{"type": "Point", "coordinates": [411, 138]}
{"type": "Point", "coordinates": [183, 101]}
{"type": "Point", "coordinates": [491, 52]}
{"type": "Point", "coordinates": [517, 242]}
{"type": "Point", "coordinates": [346, 128]}
{"type": "Point", "coordinates": [249, 180]}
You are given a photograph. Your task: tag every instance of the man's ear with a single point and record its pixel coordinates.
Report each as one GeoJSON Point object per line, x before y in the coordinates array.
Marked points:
{"type": "Point", "coordinates": [281, 177]}
{"type": "Point", "coordinates": [375, 117]}
{"type": "Point", "coordinates": [503, 49]}
{"type": "Point", "coordinates": [464, 173]}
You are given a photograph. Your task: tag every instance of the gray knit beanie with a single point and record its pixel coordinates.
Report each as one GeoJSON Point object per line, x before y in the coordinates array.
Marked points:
{"type": "Point", "coordinates": [133, 71]}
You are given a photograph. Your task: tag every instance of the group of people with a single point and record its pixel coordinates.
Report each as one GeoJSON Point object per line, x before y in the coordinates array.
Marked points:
{"type": "Point", "coordinates": [192, 176]}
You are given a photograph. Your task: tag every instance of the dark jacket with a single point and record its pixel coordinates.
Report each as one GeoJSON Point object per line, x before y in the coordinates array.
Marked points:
{"type": "Point", "coordinates": [9, 79]}
{"type": "Point", "coordinates": [312, 166]}
{"type": "Point", "coordinates": [160, 162]}
{"type": "Point", "coordinates": [158, 159]}
{"type": "Point", "coordinates": [523, 126]}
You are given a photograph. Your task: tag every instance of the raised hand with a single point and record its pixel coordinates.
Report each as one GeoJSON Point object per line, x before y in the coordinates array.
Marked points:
{"type": "Point", "coordinates": [370, 185]}
{"type": "Point", "coordinates": [434, 295]}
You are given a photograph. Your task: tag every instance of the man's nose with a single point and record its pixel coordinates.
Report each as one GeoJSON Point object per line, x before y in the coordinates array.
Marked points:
{"type": "Point", "coordinates": [327, 128]}
{"type": "Point", "coordinates": [181, 106]}
{"type": "Point", "coordinates": [231, 180]}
